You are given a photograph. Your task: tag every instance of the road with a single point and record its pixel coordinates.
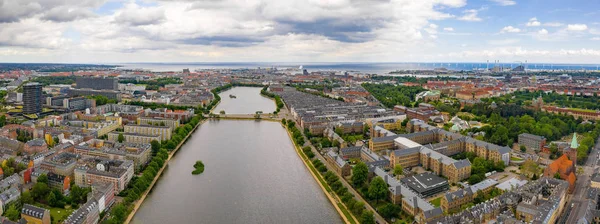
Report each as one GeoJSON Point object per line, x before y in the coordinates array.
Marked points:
{"type": "Point", "coordinates": [578, 199]}
{"type": "Point", "coordinates": [357, 196]}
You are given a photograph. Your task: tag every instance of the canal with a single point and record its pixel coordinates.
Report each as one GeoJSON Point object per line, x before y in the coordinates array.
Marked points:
{"type": "Point", "coordinates": [252, 175]}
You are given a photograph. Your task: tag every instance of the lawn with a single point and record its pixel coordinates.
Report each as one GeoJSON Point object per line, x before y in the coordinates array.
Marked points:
{"type": "Point", "coordinates": [436, 202]}
{"type": "Point", "coordinates": [515, 158]}
{"type": "Point", "coordinates": [58, 214]}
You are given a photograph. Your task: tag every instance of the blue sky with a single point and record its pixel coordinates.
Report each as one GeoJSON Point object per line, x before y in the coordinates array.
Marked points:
{"type": "Point", "coordinates": [113, 31]}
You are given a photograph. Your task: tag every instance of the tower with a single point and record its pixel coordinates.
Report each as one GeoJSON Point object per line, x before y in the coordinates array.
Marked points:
{"type": "Point", "coordinates": [572, 154]}
{"type": "Point", "coordinates": [32, 98]}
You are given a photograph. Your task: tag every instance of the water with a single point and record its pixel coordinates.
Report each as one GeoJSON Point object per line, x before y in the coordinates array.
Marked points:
{"type": "Point", "coordinates": [248, 100]}
{"type": "Point", "coordinates": [373, 68]}
{"type": "Point", "coordinates": [252, 175]}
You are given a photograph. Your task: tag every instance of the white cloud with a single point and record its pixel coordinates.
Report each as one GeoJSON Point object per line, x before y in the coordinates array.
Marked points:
{"type": "Point", "coordinates": [510, 29]}
{"type": "Point", "coordinates": [595, 38]}
{"type": "Point", "coordinates": [543, 32]}
{"type": "Point", "coordinates": [504, 2]}
{"type": "Point", "coordinates": [470, 15]}
{"type": "Point", "coordinates": [577, 27]}
{"type": "Point", "coordinates": [449, 29]}
{"type": "Point", "coordinates": [533, 22]}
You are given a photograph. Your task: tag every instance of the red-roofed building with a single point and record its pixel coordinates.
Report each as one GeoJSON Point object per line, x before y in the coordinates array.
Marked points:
{"type": "Point", "coordinates": [565, 169]}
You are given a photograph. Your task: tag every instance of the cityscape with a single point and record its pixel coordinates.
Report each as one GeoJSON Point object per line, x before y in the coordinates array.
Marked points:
{"type": "Point", "coordinates": [318, 111]}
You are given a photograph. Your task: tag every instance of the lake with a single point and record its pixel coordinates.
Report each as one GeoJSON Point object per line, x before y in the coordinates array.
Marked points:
{"type": "Point", "coordinates": [252, 175]}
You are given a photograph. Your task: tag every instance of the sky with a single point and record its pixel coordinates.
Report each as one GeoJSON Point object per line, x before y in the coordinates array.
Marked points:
{"type": "Point", "coordinates": [115, 31]}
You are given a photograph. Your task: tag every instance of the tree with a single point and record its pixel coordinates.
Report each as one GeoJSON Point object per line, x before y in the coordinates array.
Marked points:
{"type": "Point", "coordinates": [121, 138]}
{"type": "Point", "coordinates": [389, 210]}
{"type": "Point", "coordinates": [398, 170]}
{"type": "Point", "coordinates": [557, 175]}
{"type": "Point", "coordinates": [523, 148]}
{"type": "Point", "coordinates": [155, 146]}
{"type": "Point", "coordinates": [222, 112]}
{"type": "Point", "coordinates": [378, 189]}
{"type": "Point", "coordinates": [12, 213]}
{"type": "Point", "coordinates": [43, 178]}
{"type": "Point", "coordinates": [360, 174]}
{"type": "Point", "coordinates": [367, 218]}
{"type": "Point", "coordinates": [40, 190]}
{"type": "Point", "coordinates": [26, 197]}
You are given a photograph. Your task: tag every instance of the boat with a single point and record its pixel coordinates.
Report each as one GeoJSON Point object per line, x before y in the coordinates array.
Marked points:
{"type": "Point", "coordinates": [232, 96]}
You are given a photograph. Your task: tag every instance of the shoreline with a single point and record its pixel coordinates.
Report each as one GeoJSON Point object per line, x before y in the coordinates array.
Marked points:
{"type": "Point", "coordinates": [331, 198]}
{"type": "Point", "coordinates": [139, 202]}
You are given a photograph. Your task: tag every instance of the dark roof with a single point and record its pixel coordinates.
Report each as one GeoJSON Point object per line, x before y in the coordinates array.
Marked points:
{"type": "Point", "coordinates": [424, 181]}
{"type": "Point", "coordinates": [33, 211]}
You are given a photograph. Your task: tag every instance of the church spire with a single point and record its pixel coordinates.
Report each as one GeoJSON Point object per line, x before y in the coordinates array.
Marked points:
{"type": "Point", "coordinates": [574, 143]}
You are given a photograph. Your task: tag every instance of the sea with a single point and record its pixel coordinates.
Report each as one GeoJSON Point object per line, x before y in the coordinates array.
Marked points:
{"type": "Point", "coordinates": [371, 68]}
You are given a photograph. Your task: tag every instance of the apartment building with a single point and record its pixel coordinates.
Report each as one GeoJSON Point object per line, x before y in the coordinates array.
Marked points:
{"type": "Point", "coordinates": [532, 142]}
{"type": "Point", "coordinates": [133, 137]}
{"type": "Point", "coordinates": [62, 164]}
{"type": "Point", "coordinates": [139, 153]}
{"type": "Point", "coordinates": [164, 132]}
{"type": "Point", "coordinates": [172, 123]}
{"type": "Point", "coordinates": [452, 201]}
{"type": "Point", "coordinates": [340, 165]}
{"type": "Point", "coordinates": [92, 170]}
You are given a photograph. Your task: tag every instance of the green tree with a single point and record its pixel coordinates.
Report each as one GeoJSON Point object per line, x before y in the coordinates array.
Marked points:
{"type": "Point", "coordinates": [40, 190]}
{"type": "Point", "coordinates": [557, 175]}
{"type": "Point", "coordinates": [121, 138]}
{"type": "Point", "coordinates": [523, 148]}
{"type": "Point", "coordinates": [378, 189]}
{"type": "Point", "coordinates": [12, 213]}
{"type": "Point", "coordinates": [367, 218]}
{"type": "Point", "coordinates": [43, 178]}
{"type": "Point", "coordinates": [26, 197]}
{"type": "Point", "coordinates": [155, 146]}
{"type": "Point", "coordinates": [360, 174]}
{"type": "Point", "coordinates": [389, 210]}
{"type": "Point", "coordinates": [398, 170]}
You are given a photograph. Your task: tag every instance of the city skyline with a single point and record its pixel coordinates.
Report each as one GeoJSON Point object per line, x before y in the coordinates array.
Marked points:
{"type": "Point", "coordinates": [111, 31]}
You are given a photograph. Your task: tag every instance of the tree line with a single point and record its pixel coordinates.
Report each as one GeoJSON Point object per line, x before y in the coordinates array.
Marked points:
{"type": "Point", "coordinates": [391, 95]}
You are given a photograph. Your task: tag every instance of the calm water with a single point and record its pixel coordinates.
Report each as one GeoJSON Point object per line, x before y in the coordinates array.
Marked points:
{"type": "Point", "coordinates": [248, 100]}
{"type": "Point", "coordinates": [374, 68]}
{"type": "Point", "coordinates": [252, 175]}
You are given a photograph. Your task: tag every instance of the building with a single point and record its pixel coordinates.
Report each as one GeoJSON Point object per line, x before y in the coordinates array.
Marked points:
{"type": "Point", "coordinates": [595, 181]}
{"type": "Point", "coordinates": [110, 94]}
{"type": "Point", "coordinates": [565, 168]}
{"type": "Point", "coordinates": [133, 137]}
{"type": "Point", "coordinates": [32, 98]}
{"type": "Point", "coordinates": [35, 215]}
{"type": "Point", "coordinates": [88, 213]}
{"type": "Point", "coordinates": [8, 196]}
{"type": "Point", "coordinates": [532, 142]}
{"type": "Point", "coordinates": [104, 194]}
{"type": "Point", "coordinates": [340, 165]}
{"type": "Point", "coordinates": [96, 83]}
{"type": "Point", "coordinates": [426, 184]}
{"type": "Point", "coordinates": [164, 132]}
{"type": "Point", "coordinates": [37, 145]}
{"type": "Point", "coordinates": [140, 153]}
{"type": "Point", "coordinates": [427, 96]}
{"type": "Point", "coordinates": [62, 164]}
{"type": "Point", "coordinates": [452, 201]}
{"type": "Point", "coordinates": [92, 170]}
{"type": "Point", "coordinates": [171, 123]}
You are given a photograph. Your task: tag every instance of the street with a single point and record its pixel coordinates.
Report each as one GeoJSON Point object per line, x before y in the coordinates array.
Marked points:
{"type": "Point", "coordinates": [578, 199]}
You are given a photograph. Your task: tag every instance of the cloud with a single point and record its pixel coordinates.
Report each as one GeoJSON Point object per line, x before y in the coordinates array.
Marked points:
{"type": "Point", "coordinates": [543, 32]}
{"type": "Point", "coordinates": [17, 10]}
{"type": "Point", "coordinates": [510, 29]}
{"type": "Point", "coordinates": [449, 29]}
{"type": "Point", "coordinates": [595, 38]}
{"type": "Point", "coordinates": [66, 14]}
{"type": "Point", "coordinates": [533, 22]}
{"type": "Point", "coordinates": [577, 27]}
{"type": "Point", "coordinates": [504, 2]}
{"type": "Point", "coordinates": [470, 15]}
{"type": "Point", "coordinates": [135, 15]}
